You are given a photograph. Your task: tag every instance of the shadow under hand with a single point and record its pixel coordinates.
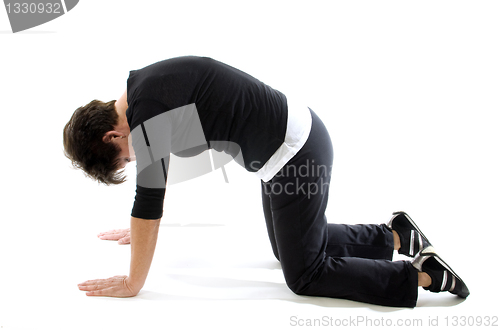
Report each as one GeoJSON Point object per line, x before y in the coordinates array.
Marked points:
{"type": "Point", "coordinates": [217, 288]}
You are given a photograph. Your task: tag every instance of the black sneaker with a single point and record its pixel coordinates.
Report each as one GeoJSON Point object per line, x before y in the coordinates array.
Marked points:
{"type": "Point", "coordinates": [412, 239]}
{"type": "Point", "coordinates": [443, 277]}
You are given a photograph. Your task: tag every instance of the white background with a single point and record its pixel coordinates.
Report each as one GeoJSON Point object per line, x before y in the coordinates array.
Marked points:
{"type": "Point", "coordinates": [409, 92]}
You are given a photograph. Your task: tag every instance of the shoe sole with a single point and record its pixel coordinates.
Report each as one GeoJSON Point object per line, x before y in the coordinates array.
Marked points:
{"type": "Point", "coordinates": [413, 224]}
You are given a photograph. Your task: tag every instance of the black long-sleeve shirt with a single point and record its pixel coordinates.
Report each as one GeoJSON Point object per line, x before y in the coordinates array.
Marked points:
{"type": "Point", "coordinates": [187, 104]}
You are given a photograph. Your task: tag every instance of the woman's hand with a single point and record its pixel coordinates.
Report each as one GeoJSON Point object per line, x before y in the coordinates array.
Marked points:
{"type": "Point", "coordinates": [120, 235]}
{"type": "Point", "coordinates": [144, 236]}
{"type": "Point", "coordinates": [116, 286]}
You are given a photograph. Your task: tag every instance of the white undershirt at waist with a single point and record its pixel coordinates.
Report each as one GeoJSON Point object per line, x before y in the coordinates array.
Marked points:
{"type": "Point", "coordinates": [298, 128]}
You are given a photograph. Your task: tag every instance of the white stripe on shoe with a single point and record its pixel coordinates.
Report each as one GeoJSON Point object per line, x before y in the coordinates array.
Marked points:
{"type": "Point", "coordinates": [420, 243]}
{"type": "Point", "coordinates": [445, 279]}
{"type": "Point", "coordinates": [412, 242]}
{"type": "Point", "coordinates": [453, 282]}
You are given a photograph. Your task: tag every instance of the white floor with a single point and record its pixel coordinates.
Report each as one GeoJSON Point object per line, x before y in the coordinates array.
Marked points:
{"type": "Point", "coordinates": [407, 90]}
{"type": "Point", "coordinates": [213, 267]}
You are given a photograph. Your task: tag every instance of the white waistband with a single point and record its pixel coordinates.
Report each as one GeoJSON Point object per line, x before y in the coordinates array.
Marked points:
{"type": "Point", "coordinates": [298, 128]}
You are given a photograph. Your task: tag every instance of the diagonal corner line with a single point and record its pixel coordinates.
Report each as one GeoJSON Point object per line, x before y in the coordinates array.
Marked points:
{"type": "Point", "coordinates": [224, 173]}
{"type": "Point", "coordinates": [63, 3]}
{"type": "Point", "coordinates": [211, 159]}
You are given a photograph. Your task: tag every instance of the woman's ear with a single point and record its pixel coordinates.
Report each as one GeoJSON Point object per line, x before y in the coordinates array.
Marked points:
{"type": "Point", "coordinates": [108, 136]}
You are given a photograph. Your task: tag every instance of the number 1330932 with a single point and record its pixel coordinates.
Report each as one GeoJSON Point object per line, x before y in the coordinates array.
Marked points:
{"type": "Point", "coordinates": [32, 8]}
{"type": "Point", "coordinates": [477, 321]}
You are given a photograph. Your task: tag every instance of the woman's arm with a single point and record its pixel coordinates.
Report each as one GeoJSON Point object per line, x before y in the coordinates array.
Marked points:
{"type": "Point", "coordinates": [144, 234]}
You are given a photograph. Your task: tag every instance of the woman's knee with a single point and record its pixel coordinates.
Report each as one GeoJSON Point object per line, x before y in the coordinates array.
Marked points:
{"type": "Point", "coordinates": [299, 288]}
{"type": "Point", "coordinates": [304, 284]}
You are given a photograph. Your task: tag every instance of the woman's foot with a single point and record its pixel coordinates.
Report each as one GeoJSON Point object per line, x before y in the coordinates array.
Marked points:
{"type": "Point", "coordinates": [442, 276]}
{"type": "Point", "coordinates": [411, 238]}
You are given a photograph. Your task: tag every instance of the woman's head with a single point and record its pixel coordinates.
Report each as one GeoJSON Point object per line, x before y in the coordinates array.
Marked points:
{"type": "Point", "coordinates": [86, 147]}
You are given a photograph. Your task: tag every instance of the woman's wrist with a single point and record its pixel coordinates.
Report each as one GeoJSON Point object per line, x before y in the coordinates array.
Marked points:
{"type": "Point", "coordinates": [133, 284]}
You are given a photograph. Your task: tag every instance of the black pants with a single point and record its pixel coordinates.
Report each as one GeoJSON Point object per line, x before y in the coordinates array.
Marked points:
{"type": "Point", "coordinates": [325, 259]}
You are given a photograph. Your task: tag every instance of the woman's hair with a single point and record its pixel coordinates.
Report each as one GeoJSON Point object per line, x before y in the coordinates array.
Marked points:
{"type": "Point", "coordinates": [83, 144]}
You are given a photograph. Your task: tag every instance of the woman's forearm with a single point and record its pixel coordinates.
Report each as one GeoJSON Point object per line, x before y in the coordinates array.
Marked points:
{"type": "Point", "coordinates": [143, 236]}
